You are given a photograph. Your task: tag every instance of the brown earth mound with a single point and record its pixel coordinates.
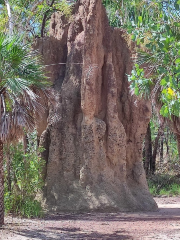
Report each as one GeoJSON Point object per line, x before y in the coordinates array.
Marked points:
{"type": "Point", "coordinates": [95, 129]}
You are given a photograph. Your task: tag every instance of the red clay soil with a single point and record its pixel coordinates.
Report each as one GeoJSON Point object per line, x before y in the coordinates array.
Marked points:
{"type": "Point", "coordinates": [164, 225]}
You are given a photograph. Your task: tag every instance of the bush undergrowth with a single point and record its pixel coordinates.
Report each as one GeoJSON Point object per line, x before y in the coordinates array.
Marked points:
{"type": "Point", "coordinates": [165, 184]}
{"type": "Point", "coordinates": [23, 180]}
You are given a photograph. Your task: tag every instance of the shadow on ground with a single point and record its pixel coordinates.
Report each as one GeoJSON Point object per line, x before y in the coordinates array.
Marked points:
{"type": "Point", "coordinates": [96, 226]}
{"type": "Point", "coordinates": [163, 214]}
{"type": "Point", "coordinates": [72, 233]}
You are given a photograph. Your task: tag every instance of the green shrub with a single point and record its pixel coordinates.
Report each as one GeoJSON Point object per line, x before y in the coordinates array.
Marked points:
{"type": "Point", "coordinates": [25, 177]}
{"type": "Point", "coordinates": [164, 185]}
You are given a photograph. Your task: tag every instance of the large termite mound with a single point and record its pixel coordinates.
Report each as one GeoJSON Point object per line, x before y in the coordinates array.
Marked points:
{"type": "Point", "coordinates": [95, 129]}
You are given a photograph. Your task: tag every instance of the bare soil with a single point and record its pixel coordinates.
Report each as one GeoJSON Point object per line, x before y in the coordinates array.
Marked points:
{"type": "Point", "coordinates": [163, 224]}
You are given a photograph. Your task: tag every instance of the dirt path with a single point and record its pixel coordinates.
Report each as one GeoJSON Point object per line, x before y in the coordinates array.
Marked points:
{"type": "Point", "coordinates": [164, 225]}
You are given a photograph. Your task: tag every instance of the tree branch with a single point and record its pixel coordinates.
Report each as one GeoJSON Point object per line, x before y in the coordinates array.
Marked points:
{"type": "Point", "coordinates": [44, 19]}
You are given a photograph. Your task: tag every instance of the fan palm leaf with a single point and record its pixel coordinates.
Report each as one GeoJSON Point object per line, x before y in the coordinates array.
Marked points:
{"type": "Point", "coordinates": [20, 75]}
{"type": "Point", "coordinates": [22, 82]}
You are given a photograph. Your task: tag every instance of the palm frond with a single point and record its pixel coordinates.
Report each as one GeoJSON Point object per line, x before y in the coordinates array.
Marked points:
{"type": "Point", "coordinates": [22, 82]}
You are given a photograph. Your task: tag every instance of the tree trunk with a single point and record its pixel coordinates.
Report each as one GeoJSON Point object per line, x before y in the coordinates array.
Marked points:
{"type": "Point", "coordinates": [96, 127]}
{"type": "Point", "coordinates": [45, 18]}
{"type": "Point", "coordinates": [167, 145]}
{"type": "Point", "coordinates": [156, 144]}
{"type": "Point", "coordinates": [9, 17]}
{"type": "Point", "coordinates": [148, 150]}
{"type": "Point", "coordinates": [178, 143]}
{"type": "Point", "coordinates": [162, 149]}
{"type": "Point", "coordinates": [8, 163]}
{"type": "Point", "coordinates": [25, 142]}
{"type": "Point", "coordinates": [1, 185]}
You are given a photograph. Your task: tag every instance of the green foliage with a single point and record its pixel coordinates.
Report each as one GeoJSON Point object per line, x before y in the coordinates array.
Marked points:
{"type": "Point", "coordinates": [32, 17]}
{"type": "Point", "coordinates": [129, 14]}
{"type": "Point", "coordinates": [22, 78]}
{"type": "Point", "coordinates": [155, 27]}
{"type": "Point", "coordinates": [26, 207]}
{"type": "Point", "coordinates": [160, 55]}
{"type": "Point", "coordinates": [112, 8]}
{"type": "Point", "coordinates": [164, 185]}
{"type": "Point", "coordinates": [25, 177]}
{"type": "Point", "coordinates": [139, 83]}
{"type": "Point", "coordinates": [20, 67]}
{"type": "Point", "coordinates": [3, 19]}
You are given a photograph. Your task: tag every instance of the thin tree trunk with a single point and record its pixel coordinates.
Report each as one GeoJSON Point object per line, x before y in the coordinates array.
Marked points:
{"type": "Point", "coordinates": [167, 146]}
{"type": "Point", "coordinates": [45, 18]}
{"type": "Point", "coordinates": [9, 16]}
{"type": "Point", "coordinates": [25, 142]}
{"type": "Point", "coordinates": [1, 185]}
{"type": "Point", "coordinates": [156, 144]}
{"type": "Point", "coordinates": [178, 144]}
{"type": "Point", "coordinates": [8, 162]}
{"type": "Point", "coordinates": [161, 150]}
{"type": "Point", "coordinates": [148, 150]}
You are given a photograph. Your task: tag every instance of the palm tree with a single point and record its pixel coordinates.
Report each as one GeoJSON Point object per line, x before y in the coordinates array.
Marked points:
{"type": "Point", "coordinates": [22, 81]}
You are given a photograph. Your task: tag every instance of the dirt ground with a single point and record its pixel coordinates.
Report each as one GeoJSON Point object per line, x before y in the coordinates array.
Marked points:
{"type": "Point", "coordinates": [164, 225]}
